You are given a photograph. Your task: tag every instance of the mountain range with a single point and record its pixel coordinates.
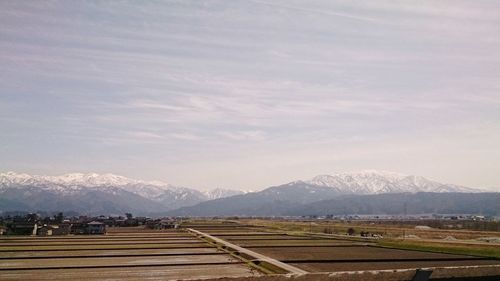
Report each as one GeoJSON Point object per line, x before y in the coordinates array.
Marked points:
{"type": "Point", "coordinates": [112, 194]}
{"type": "Point", "coordinates": [296, 198]}
{"type": "Point", "coordinates": [97, 194]}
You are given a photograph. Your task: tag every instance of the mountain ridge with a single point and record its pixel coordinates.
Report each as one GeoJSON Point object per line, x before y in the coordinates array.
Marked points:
{"type": "Point", "coordinates": [109, 193]}
{"type": "Point", "coordinates": [279, 200]}
{"type": "Point", "coordinates": [124, 194]}
{"type": "Point", "coordinates": [93, 180]}
{"type": "Point", "coordinates": [375, 182]}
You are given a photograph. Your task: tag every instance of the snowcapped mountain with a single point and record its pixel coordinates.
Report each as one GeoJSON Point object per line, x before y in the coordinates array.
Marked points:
{"type": "Point", "coordinates": [221, 193]}
{"type": "Point", "coordinates": [152, 196]}
{"type": "Point", "coordinates": [112, 194]}
{"type": "Point", "coordinates": [75, 182]}
{"type": "Point", "coordinates": [375, 182]}
{"type": "Point", "coordinates": [280, 200]}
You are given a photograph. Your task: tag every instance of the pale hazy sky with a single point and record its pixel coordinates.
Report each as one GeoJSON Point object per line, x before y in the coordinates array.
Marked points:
{"type": "Point", "coordinates": [247, 94]}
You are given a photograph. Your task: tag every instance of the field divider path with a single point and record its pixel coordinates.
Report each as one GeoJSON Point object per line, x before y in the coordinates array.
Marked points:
{"type": "Point", "coordinates": [246, 254]}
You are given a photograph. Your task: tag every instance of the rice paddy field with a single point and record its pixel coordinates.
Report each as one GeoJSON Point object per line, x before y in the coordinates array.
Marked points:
{"type": "Point", "coordinates": [217, 249]}
{"type": "Point", "coordinates": [116, 256]}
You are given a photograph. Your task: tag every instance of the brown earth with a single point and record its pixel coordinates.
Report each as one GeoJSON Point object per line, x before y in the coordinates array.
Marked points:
{"type": "Point", "coordinates": [136, 273]}
{"type": "Point", "coordinates": [102, 252]}
{"type": "Point", "coordinates": [115, 261]}
{"type": "Point", "coordinates": [349, 253]}
{"type": "Point", "coordinates": [332, 267]}
{"type": "Point", "coordinates": [291, 242]}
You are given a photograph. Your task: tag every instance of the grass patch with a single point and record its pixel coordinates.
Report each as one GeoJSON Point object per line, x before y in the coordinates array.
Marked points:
{"type": "Point", "coordinates": [448, 248]}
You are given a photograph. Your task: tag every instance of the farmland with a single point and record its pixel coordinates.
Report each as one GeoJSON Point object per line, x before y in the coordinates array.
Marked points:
{"type": "Point", "coordinates": [217, 248]}
{"type": "Point", "coordinates": [173, 254]}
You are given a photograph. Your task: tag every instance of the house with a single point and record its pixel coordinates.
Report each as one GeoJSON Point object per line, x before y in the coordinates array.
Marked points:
{"type": "Point", "coordinates": [45, 230]}
{"type": "Point", "coordinates": [109, 222]}
{"type": "Point", "coordinates": [95, 227]}
{"type": "Point", "coordinates": [162, 224]}
{"type": "Point", "coordinates": [78, 228]}
{"type": "Point", "coordinates": [22, 228]}
{"type": "Point", "coordinates": [120, 222]}
{"type": "Point", "coordinates": [62, 229]}
{"type": "Point", "coordinates": [141, 220]}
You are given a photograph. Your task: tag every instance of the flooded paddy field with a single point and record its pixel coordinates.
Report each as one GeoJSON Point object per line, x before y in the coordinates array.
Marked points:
{"type": "Point", "coordinates": [292, 242]}
{"type": "Point", "coordinates": [84, 243]}
{"type": "Point", "coordinates": [139, 245]}
{"type": "Point", "coordinates": [318, 254]}
{"type": "Point", "coordinates": [353, 253]}
{"type": "Point", "coordinates": [116, 256]}
{"type": "Point", "coordinates": [132, 273]}
{"type": "Point", "coordinates": [208, 251]}
{"type": "Point", "coordinates": [72, 262]}
{"type": "Point", "coordinates": [263, 237]}
{"type": "Point", "coordinates": [104, 252]}
{"type": "Point", "coordinates": [385, 265]}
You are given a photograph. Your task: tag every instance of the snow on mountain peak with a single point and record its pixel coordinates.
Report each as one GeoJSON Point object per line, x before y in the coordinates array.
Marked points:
{"type": "Point", "coordinates": [221, 193]}
{"type": "Point", "coordinates": [78, 182]}
{"type": "Point", "coordinates": [13, 177]}
{"type": "Point", "coordinates": [373, 182]}
{"type": "Point", "coordinates": [91, 179]}
{"type": "Point", "coordinates": [74, 179]}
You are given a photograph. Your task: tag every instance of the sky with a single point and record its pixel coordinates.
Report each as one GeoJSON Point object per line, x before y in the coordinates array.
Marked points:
{"type": "Point", "coordinates": [249, 94]}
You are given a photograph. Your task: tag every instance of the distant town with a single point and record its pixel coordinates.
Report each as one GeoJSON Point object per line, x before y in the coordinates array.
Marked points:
{"type": "Point", "coordinates": [36, 224]}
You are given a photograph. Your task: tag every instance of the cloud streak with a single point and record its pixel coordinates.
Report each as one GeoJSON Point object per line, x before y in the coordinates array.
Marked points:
{"type": "Point", "coordinates": [216, 92]}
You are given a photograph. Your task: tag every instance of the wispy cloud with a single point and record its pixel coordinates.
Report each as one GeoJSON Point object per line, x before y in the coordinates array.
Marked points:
{"type": "Point", "coordinates": [308, 87]}
{"type": "Point", "coordinates": [326, 12]}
